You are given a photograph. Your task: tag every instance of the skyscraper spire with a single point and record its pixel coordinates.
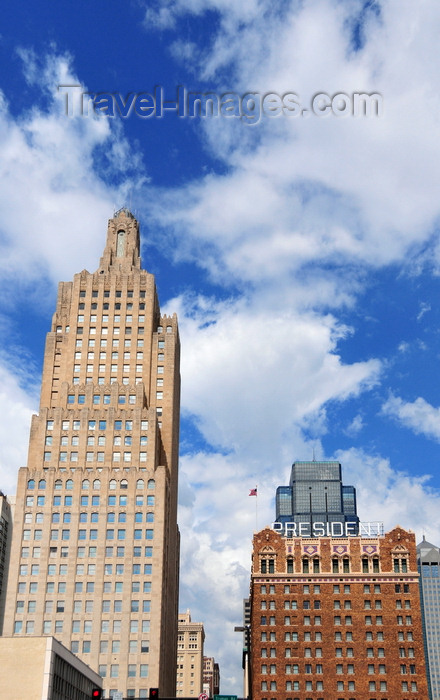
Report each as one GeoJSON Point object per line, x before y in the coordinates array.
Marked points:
{"type": "Point", "coordinates": [95, 549]}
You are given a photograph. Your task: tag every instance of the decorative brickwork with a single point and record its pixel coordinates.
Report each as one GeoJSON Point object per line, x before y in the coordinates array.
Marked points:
{"type": "Point", "coordinates": [336, 619]}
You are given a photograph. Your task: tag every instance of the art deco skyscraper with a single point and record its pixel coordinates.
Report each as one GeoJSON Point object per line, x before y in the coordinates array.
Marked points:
{"type": "Point", "coordinates": [95, 547]}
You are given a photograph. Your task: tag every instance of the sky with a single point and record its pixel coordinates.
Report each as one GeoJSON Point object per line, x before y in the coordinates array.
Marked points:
{"type": "Point", "coordinates": [296, 238]}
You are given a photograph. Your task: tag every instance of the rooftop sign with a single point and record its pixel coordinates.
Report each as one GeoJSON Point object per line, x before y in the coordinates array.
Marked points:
{"type": "Point", "coordinates": [337, 529]}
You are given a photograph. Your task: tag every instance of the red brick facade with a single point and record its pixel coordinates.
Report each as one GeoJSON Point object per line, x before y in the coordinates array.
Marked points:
{"type": "Point", "coordinates": [336, 618]}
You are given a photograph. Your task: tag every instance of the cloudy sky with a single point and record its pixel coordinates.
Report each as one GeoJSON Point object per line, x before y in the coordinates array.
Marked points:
{"type": "Point", "coordinates": [299, 246]}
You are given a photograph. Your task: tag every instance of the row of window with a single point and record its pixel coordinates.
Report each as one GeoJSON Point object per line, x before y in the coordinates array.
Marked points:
{"type": "Point", "coordinates": [307, 589]}
{"type": "Point", "coordinates": [316, 652]}
{"type": "Point", "coordinates": [116, 318]}
{"type": "Point", "coordinates": [113, 368]}
{"type": "Point", "coordinates": [84, 500]}
{"type": "Point", "coordinates": [98, 456]}
{"type": "Point", "coordinates": [101, 424]}
{"type": "Point", "coordinates": [337, 620]}
{"type": "Point", "coordinates": [115, 344]}
{"type": "Point", "coordinates": [118, 569]}
{"type": "Point", "coordinates": [340, 686]}
{"type": "Point", "coordinates": [92, 440]}
{"type": "Point", "coordinates": [57, 626]}
{"type": "Point", "coordinates": [113, 355]}
{"type": "Point", "coordinates": [85, 484]}
{"type": "Point", "coordinates": [339, 651]}
{"type": "Point", "coordinates": [104, 330]}
{"type": "Point", "coordinates": [294, 636]}
{"type": "Point", "coordinates": [267, 565]}
{"type": "Point", "coordinates": [58, 606]}
{"type": "Point", "coordinates": [337, 604]}
{"type": "Point", "coordinates": [132, 671]}
{"type": "Point", "coordinates": [92, 535]}
{"type": "Point", "coordinates": [84, 518]}
{"type": "Point", "coordinates": [118, 294]}
{"type": "Point", "coordinates": [94, 517]}
{"type": "Point", "coordinates": [81, 398]}
{"type": "Point", "coordinates": [111, 534]}
{"type": "Point", "coordinates": [102, 381]}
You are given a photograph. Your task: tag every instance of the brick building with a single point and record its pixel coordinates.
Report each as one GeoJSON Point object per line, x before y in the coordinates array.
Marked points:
{"type": "Point", "coordinates": [211, 676]}
{"type": "Point", "coordinates": [95, 546]}
{"type": "Point", "coordinates": [336, 618]}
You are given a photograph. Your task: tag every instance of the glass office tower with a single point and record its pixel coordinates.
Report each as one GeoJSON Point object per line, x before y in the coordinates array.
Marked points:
{"type": "Point", "coordinates": [316, 495]}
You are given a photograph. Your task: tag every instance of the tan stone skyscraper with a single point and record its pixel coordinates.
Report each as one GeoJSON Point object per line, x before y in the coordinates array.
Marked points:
{"type": "Point", "coordinates": [95, 547]}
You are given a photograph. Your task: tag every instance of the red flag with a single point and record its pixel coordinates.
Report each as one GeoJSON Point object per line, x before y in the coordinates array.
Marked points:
{"type": "Point", "coordinates": [253, 492]}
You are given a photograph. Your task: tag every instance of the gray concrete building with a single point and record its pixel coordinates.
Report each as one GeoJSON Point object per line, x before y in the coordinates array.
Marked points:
{"type": "Point", "coordinates": [428, 559]}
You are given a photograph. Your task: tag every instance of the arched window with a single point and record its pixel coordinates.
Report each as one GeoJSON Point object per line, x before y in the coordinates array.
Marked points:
{"type": "Point", "coordinates": [58, 485]}
{"type": "Point", "coordinates": [112, 485]}
{"type": "Point", "coordinates": [69, 484]}
{"type": "Point", "coordinates": [31, 484]}
{"type": "Point", "coordinates": [85, 484]}
{"type": "Point", "coordinates": [335, 565]}
{"type": "Point", "coordinates": [364, 565]}
{"type": "Point", "coordinates": [267, 566]}
{"type": "Point", "coordinates": [305, 566]}
{"type": "Point", "coordinates": [150, 517]}
{"type": "Point", "coordinates": [96, 484]}
{"type": "Point", "coordinates": [290, 566]}
{"type": "Point", "coordinates": [151, 484]}
{"type": "Point", "coordinates": [316, 566]}
{"type": "Point", "coordinates": [42, 484]}
{"type": "Point", "coordinates": [124, 484]}
{"type": "Point", "coordinates": [140, 484]}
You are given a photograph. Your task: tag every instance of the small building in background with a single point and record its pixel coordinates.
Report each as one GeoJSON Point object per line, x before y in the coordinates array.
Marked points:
{"type": "Point", "coordinates": [428, 559]}
{"type": "Point", "coordinates": [190, 641]}
{"type": "Point", "coordinates": [5, 546]}
{"type": "Point", "coordinates": [211, 676]}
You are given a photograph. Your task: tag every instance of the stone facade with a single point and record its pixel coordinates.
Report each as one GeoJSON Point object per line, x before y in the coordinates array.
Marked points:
{"type": "Point", "coordinates": [336, 618]}
{"type": "Point", "coordinates": [95, 551]}
{"type": "Point", "coordinates": [40, 668]}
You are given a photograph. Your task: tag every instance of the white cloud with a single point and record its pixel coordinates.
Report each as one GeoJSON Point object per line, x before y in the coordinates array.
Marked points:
{"type": "Point", "coordinates": [355, 426]}
{"type": "Point", "coordinates": [16, 407]}
{"type": "Point", "coordinates": [304, 207]}
{"type": "Point", "coordinates": [315, 191]}
{"type": "Point", "coordinates": [391, 496]}
{"type": "Point", "coordinates": [424, 308]}
{"type": "Point", "coordinates": [252, 373]}
{"type": "Point", "coordinates": [417, 415]}
{"type": "Point", "coordinates": [47, 160]}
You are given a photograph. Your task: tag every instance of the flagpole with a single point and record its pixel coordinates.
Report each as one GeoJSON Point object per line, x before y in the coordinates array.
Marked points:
{"type": "Point", "coordinates": [256, 508]}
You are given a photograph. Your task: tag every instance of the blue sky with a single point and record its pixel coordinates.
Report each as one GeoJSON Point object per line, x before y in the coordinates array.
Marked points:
{"type": "Point", "coordinates": [302, 254]}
